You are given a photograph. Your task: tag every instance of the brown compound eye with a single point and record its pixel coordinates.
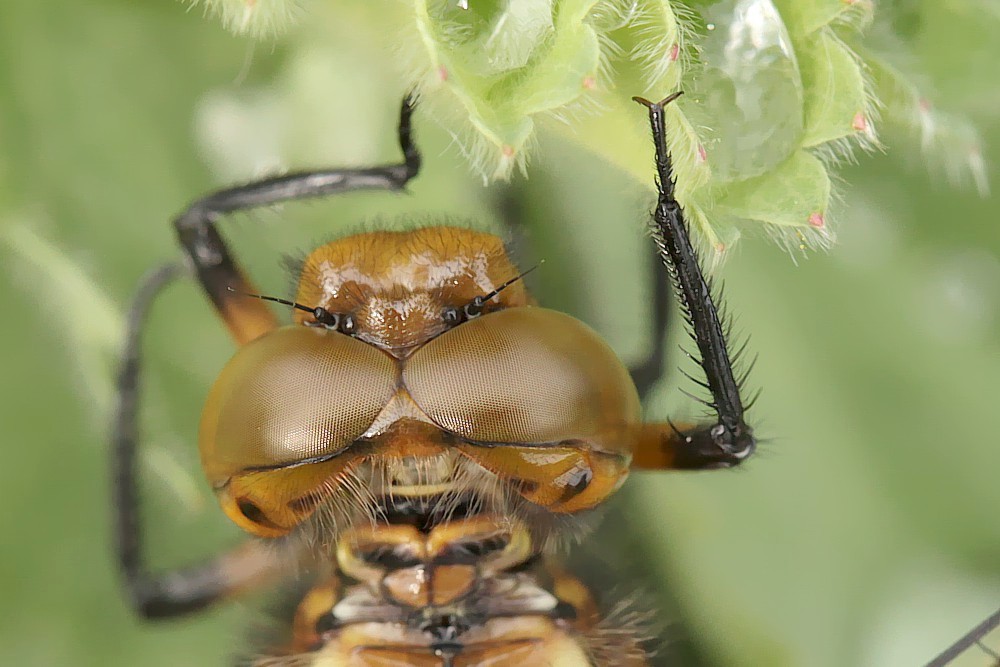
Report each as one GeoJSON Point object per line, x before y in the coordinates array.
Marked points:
{"type": "Point", "coordinates": [543, 385]}
{"type": "Point", "coordinates": [294, 396]}
{"type": "Point", "coordinates": [524, 375]}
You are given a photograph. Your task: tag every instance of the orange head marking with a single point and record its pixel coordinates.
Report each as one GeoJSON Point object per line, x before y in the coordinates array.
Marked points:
{"type": "Point", "coordinates": [396, 286]}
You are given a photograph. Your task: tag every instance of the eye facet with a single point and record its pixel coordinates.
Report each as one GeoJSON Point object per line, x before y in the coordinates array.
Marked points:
{"type": "Point", "coordinates": [292, 395]}
{"type": "Point", "coordinates": [523, 375]}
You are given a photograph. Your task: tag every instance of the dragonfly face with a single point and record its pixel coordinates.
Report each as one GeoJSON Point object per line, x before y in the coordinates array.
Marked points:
{"type": "Point", "coordinates": [419, 436]}
{"type": "Point", "coordinates": [518, 405]}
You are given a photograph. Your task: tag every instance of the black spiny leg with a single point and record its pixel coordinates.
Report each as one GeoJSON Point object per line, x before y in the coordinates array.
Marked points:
{"type": "Point", "coordinates": [729, 440]}
{"type": "Point", "coordinates": [218, 272]}
{"type": "Point", "coordinates": [184, 590]}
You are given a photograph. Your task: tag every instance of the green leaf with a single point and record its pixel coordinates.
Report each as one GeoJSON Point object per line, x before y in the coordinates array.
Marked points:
{"type": "Point", "coordinates": [749, 90]}
{"type": "Point", "coordinates": [836, 101]}
{"type": "Point", "coordinates": [765, 80]}
{"type": "Point", "coordinates": [805, 17]}
{"type": "Point", "coordinates": [503, 77]}
{"type": "Point", "coordinates": [947, 141]}
{"type": "Point", "coordinates": [791, 199]}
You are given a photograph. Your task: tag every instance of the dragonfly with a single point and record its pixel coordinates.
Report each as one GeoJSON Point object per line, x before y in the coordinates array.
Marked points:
{"type": "Point", "coordinates": [421, 439]}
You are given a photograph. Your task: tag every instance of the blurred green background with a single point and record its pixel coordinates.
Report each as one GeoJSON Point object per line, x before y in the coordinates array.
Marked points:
{"type": "Point", "coordinates": [866, 532]}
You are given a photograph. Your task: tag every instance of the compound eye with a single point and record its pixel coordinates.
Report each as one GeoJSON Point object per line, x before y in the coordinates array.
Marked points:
{"type": "Point", "coordinates": [291, 396]}
{"type": "Point", "coordinates": [524, 375]}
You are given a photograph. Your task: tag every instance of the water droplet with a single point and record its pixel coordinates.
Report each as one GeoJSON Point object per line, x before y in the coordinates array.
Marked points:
{"type": "Point", "coordinates": [752, 74]}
